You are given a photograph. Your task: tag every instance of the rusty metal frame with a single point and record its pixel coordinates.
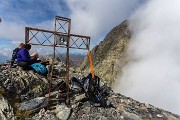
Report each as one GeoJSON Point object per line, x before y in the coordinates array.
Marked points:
{"type": "Point", "coordinates": [84, 39]}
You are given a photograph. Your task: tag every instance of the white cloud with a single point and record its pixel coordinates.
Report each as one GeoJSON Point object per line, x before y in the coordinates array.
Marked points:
{"type": "Point", "coordinates": [12, 31]}
{"type": "Point", "coordinates": [97, 17]}
{"type": "Point", "coordinates": [5, 52]}
{"type": "Point", "coordinates": [153, 72]}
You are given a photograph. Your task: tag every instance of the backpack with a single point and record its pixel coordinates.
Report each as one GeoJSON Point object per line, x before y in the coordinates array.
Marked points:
{"type": "Point", "coordinates": [39, 68]}
{"type": "Point", "coordinates": [13, 59]}
{"type": "Point", "coordinates": [96, 94]}
{"type": "Point", "coordinates": [92, 88]}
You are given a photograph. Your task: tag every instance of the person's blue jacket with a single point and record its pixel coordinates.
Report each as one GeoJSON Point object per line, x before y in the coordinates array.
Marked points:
{"type": "Point", "coordinates": [23, 55]}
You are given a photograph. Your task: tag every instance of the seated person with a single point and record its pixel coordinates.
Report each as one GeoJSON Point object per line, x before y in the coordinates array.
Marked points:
{"type": "Point", "coordinates": [35, 56]}
{"type": "Point", "coordinates": [15, 51]}
{"type": "Point", "coordinates": [24, 59]}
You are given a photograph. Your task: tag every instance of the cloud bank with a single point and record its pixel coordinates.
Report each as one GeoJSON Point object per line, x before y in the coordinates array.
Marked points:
{"type": "Point", "coordinates": [152, 74]}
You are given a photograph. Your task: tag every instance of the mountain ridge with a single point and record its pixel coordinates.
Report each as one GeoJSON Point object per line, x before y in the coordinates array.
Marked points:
{"type": "Point", "coordinates": [110, 55]}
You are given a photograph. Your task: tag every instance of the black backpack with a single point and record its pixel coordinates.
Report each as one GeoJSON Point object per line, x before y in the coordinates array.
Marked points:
{"type": "Point", "coordinates": [92, 88]}
{"type": "Point", "coordinates": [15, 51]}
{"type": "Point", "coordinates": [97, 95]}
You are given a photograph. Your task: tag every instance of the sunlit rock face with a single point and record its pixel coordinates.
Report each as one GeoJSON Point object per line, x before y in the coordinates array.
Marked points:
{"type": "Point", "coordinates": [110, 55]}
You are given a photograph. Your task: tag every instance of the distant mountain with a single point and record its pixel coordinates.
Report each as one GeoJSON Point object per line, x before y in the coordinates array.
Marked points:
{"type": "Point", "coordinates": [110, 55]}
{"type": "Point", "coordinates": [4, 58]}
{"type": "Point", "coordinates": [75, 59]}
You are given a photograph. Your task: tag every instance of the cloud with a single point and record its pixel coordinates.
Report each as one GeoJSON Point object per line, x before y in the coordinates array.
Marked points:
{"type": "Point", "coordinates": [152, 74]}
{"type": "Point", "coordinates": [12, 31]}
{"type": "Point", "coordinates": [5, 52]}
{"type": "Point", "coordinates": [97, 17]}
{"type": "Point", "coordinates": [4, 49]}
{"type": "Point", "coordinates": [92, 18]}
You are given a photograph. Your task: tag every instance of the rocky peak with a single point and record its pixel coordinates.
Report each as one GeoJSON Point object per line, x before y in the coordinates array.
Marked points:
{"type": "Point", "coordinates": [109, 56]}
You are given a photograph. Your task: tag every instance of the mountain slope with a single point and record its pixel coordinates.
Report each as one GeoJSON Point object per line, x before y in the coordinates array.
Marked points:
{"type": "Point", "coordinates": [109, 56]}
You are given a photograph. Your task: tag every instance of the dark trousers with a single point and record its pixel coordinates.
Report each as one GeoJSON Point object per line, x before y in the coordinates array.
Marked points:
{"type": "Point", "coordinates": [24, 65]}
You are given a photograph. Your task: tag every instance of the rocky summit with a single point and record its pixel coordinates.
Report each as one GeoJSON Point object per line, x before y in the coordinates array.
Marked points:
{"type": "Point", "coordinates": [24, 95]}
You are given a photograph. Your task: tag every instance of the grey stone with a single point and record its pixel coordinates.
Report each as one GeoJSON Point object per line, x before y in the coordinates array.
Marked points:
{"type": "Point", "coordinates": [31, 104]}
{"type": "Point", "coordinates": [62, 112]}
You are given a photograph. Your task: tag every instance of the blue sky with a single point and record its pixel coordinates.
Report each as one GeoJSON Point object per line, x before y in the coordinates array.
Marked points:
{"type": "Point", "coordinates": [94, 18]}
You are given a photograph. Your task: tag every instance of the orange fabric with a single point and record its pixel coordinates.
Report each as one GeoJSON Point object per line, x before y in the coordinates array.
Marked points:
{"type": "Point", "coordinates": [91, 63]}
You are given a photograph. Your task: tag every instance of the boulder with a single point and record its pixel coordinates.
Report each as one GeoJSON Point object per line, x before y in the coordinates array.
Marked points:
{"type": "Point", "coordinates": [6, 111]}
{"type": "Point", "coordinates": [25, 84]}
{"type": "Point", "coordinates": [62, 112]}
{"type": "Point", "coordinates": [32, 104]}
